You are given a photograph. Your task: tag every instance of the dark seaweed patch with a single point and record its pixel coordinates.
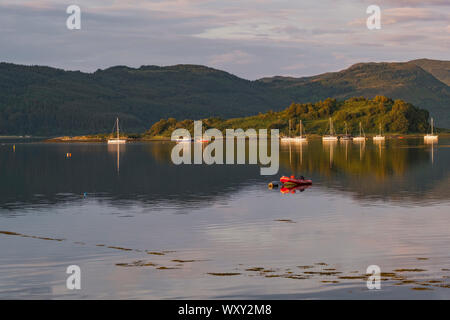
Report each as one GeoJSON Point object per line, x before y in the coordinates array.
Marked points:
{"type": "Point", "coordinates": [138, 263]}
{"type": "Point", "coordinates": [120, 248]}
{"type": "Point", "coordinates": [155, 253]}
{"type": "Point", "coordinates": [254, 269]}
{"type": "Point", "coordinates": [224, 274]}
{"type": "Point", "coordinates": [410, 270]}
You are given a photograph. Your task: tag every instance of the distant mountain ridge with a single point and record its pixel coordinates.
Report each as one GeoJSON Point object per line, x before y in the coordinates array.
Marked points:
{"type": "Point", "coordinates": [438, 68]}
{"type": "Point", "coordinates": [48, 101]}
{"type": "Point", "coordinates": [407, 81]}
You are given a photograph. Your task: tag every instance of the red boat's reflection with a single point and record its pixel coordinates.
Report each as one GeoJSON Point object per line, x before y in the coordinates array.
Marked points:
{"type": "Point", "coordinates": [293, 189]}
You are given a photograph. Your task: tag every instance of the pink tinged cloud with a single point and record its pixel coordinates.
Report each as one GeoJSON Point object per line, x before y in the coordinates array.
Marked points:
{"type": "Point", "coordinates": [405, 15]}
{"type": "Point", "coordinates": [232, 57]}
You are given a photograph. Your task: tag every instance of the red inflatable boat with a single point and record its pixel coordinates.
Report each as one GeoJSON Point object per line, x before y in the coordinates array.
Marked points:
{"type": "Point", "coordinates": [294, 180]}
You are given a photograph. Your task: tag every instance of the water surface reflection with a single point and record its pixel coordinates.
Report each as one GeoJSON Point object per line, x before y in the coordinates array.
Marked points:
{"type": "Point", "coordinates": [141, 227]}
{"type": "Point", "coordinates": [39, 174]}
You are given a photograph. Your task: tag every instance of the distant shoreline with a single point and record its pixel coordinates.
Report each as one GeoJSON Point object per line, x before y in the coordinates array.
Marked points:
{"type": "Point", "coordinates": [101, 140]}
{"type": "Point", "coordinates": [96, 139]}
{"type": "Point", "coordinates": [18, 137]}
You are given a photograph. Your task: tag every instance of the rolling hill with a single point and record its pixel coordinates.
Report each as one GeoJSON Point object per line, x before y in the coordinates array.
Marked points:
{"type": "Point", "coordinates": [406, 81]}
{"type": "Point", "coordinates": [439, 69]}
{"type": "Point", "coordinates": [392, 116]}
{"type": "Point", "coordinates": [47, 101]}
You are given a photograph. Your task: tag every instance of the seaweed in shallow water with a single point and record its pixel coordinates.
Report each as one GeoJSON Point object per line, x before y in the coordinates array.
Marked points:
{"type": "Point", "coordinates": [223, 274]}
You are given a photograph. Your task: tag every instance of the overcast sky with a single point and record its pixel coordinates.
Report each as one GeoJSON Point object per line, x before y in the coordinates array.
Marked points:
{"type": "Point", "coordinates": [249, 38]}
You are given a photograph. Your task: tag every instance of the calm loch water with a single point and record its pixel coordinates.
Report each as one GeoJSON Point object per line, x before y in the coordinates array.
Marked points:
{"type": "Point", "coordinates": [140, 227]}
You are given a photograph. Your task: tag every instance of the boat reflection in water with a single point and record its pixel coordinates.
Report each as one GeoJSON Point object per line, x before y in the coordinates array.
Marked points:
{"type": "Point", "coordinates": [369, 170]}
{"type": "Point", "coordinates": [330, 147]}
{"type": "Point", "coordinates": [163, 231]}
{"type": "Point", "coordinates": [116, 149]}
{"type": "Point", "coordinates": [431, 143]}
{"type": "Point", "coordinates": [293, 189]}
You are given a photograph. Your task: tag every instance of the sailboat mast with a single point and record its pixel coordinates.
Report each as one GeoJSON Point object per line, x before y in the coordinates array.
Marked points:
{"type": "Point", "coordinates": [290, 121]}
{"type": "Point", "coordinates": [301, 129]}
{"type": "Point", "coordinates": [431, 126]}
{"type": "Point", "coordinates": [331, 127]}
{"type": "Point", "coordinates": [117, 124]}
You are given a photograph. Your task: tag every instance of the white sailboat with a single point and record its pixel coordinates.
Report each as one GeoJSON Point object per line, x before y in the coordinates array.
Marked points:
{"type": "Point", "coordinates": [379, 137]}
{"type": "Point", "coordinates": [288, 138]}
{"type": "Point", "coordinates": [117, 140]}
{"type": "Point", "coordinates": [362, 135]}
{"type": "Point", "coordinates": [331, 136]}
{"type": "Point", "coordinates": [301, 137]}
{"type": "Point", "coordinates": [183, 139]}
{"type": "Point", "coordinates": [346, 136]}
{"type": "Point", "coordinates": [432, 136]}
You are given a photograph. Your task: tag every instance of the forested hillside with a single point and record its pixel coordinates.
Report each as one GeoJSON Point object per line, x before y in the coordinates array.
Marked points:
{"type": "Point", "coordinates": [394, 117]}
{"type": "Point", "coordinates": [47, 101]}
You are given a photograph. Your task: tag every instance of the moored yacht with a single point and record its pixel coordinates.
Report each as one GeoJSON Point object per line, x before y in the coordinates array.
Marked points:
{"type": "Point", "coordinates": [117, 140]}
{"type": "Point", "coordinates": [362, 135]}
{"type": "Point", "coordinates": [346, 136]}
{"type": "Point", "coordinates": [379, 137]}
{"type": "Point", "coordinates": [431, 136]}
{"type": "Point", "coordinates": [331, 136]}
{"type": "Point", "coordinates": [183, 139]}
{"type": "Point", "coordinates": [301, 137]}
{"type": "Point", "coordinates": [288, 138]}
